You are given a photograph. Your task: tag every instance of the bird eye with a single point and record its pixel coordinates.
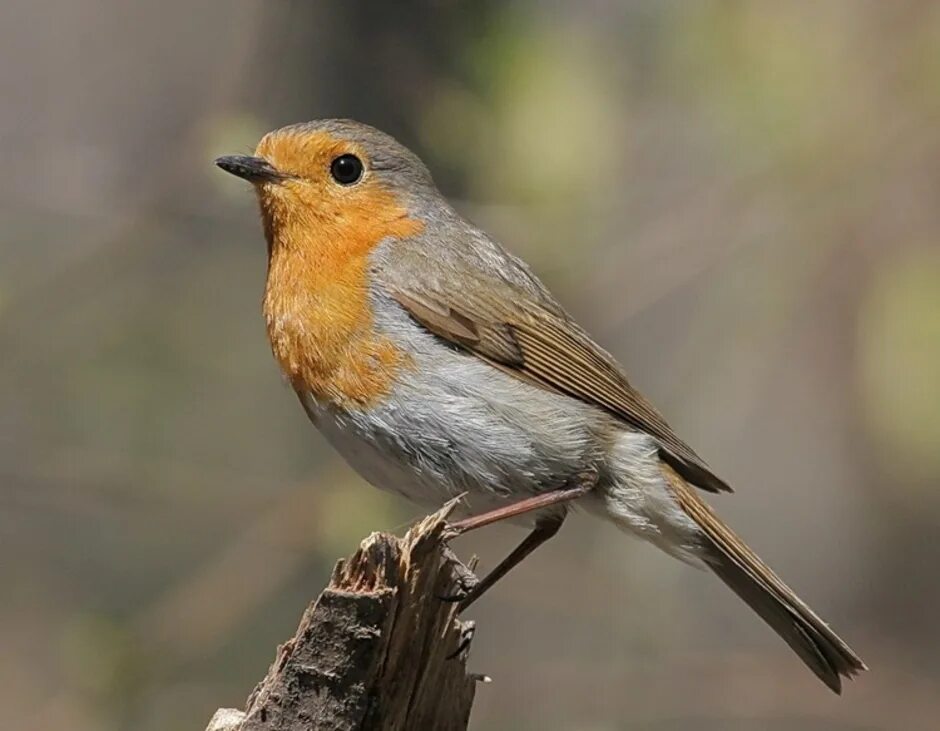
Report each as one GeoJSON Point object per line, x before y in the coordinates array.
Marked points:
{"type": "Point", "coordinates": [346, 169]}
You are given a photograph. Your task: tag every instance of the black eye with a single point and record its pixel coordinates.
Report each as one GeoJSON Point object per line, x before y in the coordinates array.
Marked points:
{"type": "Point", "coordinates": [346, 169]}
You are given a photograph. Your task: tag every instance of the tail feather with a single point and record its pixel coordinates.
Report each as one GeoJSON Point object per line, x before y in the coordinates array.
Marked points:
{"type": "Point", "coordinates": [823, 651]}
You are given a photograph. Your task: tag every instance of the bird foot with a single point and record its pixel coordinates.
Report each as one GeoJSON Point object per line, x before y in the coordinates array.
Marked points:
{"type": "Point", "coordinates": [467, 630]}
{"type": "Point", "coordinates": [465, 581]}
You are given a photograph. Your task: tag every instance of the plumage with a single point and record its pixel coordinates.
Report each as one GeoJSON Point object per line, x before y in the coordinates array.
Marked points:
{"type": "Point", "coordinates": [823, 651]}
{"type": "Point", "coordinates": [438, 365]}
{"type": "Point", "coordinates": [547, 349]}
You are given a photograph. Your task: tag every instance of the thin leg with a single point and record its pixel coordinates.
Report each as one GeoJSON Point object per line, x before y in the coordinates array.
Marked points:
{"type": "Point", "coordinates": [555, 497]}
{"type": "Point", "coordinates": [543, 530]}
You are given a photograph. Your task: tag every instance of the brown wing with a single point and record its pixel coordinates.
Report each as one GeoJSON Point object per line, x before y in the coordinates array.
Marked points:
{"type": "Point", "coordinates": [546, 348]}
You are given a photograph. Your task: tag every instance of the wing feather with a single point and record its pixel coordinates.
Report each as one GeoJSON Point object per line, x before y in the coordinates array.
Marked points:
{"type": "Point", "coordinates": [539, 345]}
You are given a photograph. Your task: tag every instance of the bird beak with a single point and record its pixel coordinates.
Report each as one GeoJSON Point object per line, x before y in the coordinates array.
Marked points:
{"type": "Point", "coordinates": [252, 169]}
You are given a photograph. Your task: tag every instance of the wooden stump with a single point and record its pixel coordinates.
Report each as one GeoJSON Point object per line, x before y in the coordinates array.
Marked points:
{"type": "Point", "coordinates": [378, 649]}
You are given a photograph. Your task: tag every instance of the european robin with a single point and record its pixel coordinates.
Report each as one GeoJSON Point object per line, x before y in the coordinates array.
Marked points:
{"type": "Point", "coordinates": [439, 365]}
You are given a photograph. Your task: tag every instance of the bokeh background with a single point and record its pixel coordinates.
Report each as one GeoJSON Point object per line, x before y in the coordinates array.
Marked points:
{"type": "Point", "coordinates": [741, 200]}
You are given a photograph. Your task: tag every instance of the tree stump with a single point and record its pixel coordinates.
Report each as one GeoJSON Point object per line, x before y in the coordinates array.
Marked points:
{"type": "Point", "coordinates": [378, 649]}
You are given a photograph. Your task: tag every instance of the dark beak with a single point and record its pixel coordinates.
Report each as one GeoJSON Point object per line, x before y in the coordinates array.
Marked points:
{"type": "Point", "coordinates": [252, 169]}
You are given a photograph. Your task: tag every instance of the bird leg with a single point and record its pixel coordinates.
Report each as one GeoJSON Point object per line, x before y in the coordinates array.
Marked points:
{"type": "Point", "coordinates": [545, 500]}
{"type": "Point", "coordinates": [544, 529]}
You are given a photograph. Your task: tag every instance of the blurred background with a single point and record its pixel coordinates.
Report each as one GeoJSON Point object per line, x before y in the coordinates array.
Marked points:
{"type": "Point", "coordinates": [739, 199]}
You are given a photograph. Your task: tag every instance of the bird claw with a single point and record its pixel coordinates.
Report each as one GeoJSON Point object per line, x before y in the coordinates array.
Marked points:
{"type": "Point", "coordinates": [467, 630]}
{"type": "Point", "coordinates": [465, 585]}
{"type": "Point", "coordinates": [449, 533]}
{"type": "Point", "coordinates": [465, 581]}
{"type": "Point", "coordinates": [457, 597]}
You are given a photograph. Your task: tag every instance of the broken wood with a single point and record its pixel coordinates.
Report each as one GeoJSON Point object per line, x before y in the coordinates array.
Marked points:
{"type": "Point", "coordinates": [378, 649]}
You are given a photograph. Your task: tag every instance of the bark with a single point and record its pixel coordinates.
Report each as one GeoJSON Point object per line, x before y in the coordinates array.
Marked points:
{"type": "Point", "coordinates": [378, 649]}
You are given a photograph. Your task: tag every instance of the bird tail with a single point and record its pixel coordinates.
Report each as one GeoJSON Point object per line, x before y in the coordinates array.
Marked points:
{"type": "Point", "coordinates": [823, 651]}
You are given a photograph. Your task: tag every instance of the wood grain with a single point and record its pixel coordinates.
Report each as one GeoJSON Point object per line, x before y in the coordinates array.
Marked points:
{"type": "Point", "coordinates": [377, 650]}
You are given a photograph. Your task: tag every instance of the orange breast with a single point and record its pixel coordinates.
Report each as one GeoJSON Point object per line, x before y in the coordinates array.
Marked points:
{"type": "Point", "coordinates": [316, 304]}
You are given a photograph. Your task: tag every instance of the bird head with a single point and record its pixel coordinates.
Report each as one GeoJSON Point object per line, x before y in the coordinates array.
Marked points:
{"type": "Point", "coordinates": [331, 177]}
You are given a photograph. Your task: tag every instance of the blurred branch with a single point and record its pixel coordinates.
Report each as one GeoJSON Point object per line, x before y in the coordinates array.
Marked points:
{"type": "Point", "coordinates": [378, 649]}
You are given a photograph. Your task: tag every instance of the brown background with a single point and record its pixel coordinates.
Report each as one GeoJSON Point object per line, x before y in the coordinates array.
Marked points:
{"type": "Point", "coordinates": [739, 199]}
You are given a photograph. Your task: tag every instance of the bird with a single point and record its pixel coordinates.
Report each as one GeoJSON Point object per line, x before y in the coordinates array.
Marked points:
{"type": "Point", "coordinates": [440, 366]}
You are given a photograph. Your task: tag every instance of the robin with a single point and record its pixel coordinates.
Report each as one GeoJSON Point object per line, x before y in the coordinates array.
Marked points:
{"type": "Point", "coordinates": [439, 366]}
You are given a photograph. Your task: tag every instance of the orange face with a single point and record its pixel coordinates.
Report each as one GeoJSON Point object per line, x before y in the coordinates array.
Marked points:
{"type": "Point", "coordinates": [310, 191]}
{"type": "Point", "coordinates": [323, 214]}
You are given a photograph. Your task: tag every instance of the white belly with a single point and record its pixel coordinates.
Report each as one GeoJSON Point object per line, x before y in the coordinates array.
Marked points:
{"type": "Point", "coordinates": [463, 428]}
